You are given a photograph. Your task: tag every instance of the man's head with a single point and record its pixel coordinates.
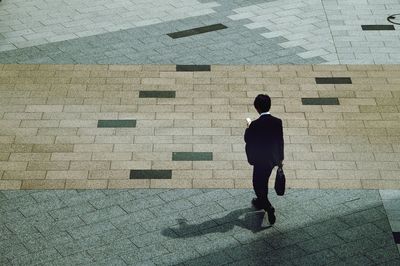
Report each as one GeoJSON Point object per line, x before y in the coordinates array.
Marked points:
{"type": "Point", "coordinates": [262, 103]}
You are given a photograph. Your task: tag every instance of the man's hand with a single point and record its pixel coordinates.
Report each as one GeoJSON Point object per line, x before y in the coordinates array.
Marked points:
{"type": "Point", "coordinates": [248, 120]}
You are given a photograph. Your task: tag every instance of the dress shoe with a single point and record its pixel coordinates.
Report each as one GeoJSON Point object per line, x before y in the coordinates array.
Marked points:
{"type": "Point", "coordinates": [271, 215]}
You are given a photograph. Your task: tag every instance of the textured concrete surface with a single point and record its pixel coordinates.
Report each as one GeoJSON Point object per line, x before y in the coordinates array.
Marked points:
{"type": "Point", "coordinates": [49, 137]}
{"type": "Point", "coordinates": [193, 227]}
{"type": "Point", "coordinates": [259, 32]}
{"type": "Point", "coordinates": [50, 115]}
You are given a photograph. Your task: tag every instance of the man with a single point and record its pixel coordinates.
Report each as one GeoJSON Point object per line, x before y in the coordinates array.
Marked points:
{"type": "Point", "coordinates": [264, 150]}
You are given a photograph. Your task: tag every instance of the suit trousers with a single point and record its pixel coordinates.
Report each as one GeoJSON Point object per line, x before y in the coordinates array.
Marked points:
{"type": "Point", "coordinates": [261, 175]}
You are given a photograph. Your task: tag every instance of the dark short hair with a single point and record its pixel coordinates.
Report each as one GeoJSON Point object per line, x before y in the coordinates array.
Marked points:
{"type": "Point", "coordinates": [262, 103]}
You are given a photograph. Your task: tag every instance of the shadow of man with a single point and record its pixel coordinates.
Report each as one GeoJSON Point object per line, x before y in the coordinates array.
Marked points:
{"type": "Point", "coordinates": [252, 221]}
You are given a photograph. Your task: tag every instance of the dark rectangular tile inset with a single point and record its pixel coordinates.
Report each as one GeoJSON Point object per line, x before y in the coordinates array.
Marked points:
{"type": "Point", "coordinates": [195, 31]}
{"type": "Point", "coordinates": [335, 80]}
{"type": "Point", "coordinates": [116, 123]}
{"type": "Point", "coordinates": [156, 94]}
{"type": "Point", "coordinates": [150, 174]}
{"type": "Point", "coordinates": [193, 68]}
{"type": "Point", "coordinates": [192, 156]}
{"type": "Point", "coordinates": [396, 236]}
{"type": "Point", "coordinates": [377, 27]}
{"type": "Point", "coordinates": [320, 101]}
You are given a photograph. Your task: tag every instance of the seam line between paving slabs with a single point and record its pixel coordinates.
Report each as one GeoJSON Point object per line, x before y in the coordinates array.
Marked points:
{"type": "Point", "coordinates": [330, 31]}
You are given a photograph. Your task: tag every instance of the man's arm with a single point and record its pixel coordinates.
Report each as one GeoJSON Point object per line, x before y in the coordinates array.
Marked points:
{"type": "Point", "coordinates": [248, 133]}
{"type": "Point", "coordinates": [281, 144]}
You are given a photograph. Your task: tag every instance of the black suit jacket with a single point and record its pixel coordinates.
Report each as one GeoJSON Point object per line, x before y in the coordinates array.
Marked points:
{"type": "Point", "coordinates": [264, 141]}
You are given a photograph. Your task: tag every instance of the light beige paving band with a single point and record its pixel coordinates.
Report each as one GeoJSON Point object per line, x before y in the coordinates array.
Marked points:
{"type": "Point", "coordinates": [49, 135]}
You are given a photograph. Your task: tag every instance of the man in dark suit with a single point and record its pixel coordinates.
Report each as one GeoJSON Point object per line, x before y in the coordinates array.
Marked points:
{"type": "Point", "coordinates": [264, 150]}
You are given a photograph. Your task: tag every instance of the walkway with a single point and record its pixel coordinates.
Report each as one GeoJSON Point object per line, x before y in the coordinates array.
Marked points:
{"type": "Point", "coordinates": [121, 131]}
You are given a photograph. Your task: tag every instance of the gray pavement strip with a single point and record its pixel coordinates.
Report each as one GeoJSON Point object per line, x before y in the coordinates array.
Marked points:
{"type": "Point", "coordinates": [377, 27]}
{"type": "Point", "coordinates": [192, 68]}
{"type": "Point", "coordinates": [195, 31]}
{"type": "Point", "coordinates": [156, 94]}
{"type": "Point", "coordinates": [320, 101]}
{"type": "Point", "coordinates": [334, 80]}
{"type": "Point", "coordinates": [150, 174]}
{"type": "Point", "coordinates": [206, 226]}
{"type": "Point", "coordinates": [116, 123]}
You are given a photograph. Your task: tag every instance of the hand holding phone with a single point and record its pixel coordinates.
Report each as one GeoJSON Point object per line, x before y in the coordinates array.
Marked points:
{"type": "Point", "coordinates": [248, 121]}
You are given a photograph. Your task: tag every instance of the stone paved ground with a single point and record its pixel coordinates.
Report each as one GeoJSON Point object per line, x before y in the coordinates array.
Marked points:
{"type": "Point", "coordinates": [259, 32]}
{"type": "Point", "coordinates": [49, 136]}
{"type": "Point", "coordinates": [193, 227]}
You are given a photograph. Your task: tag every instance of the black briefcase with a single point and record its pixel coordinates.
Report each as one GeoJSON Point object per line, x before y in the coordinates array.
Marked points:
{"type": "Point", "coordinates": [280, 182]}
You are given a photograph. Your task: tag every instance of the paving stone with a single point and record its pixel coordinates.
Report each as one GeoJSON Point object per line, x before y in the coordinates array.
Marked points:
{"type": "Point", "coordinates": [152, 237]}
{"type": "Point", "coordinates": [131, 229]}
{"type": "Point", "coordinates": [192, 156]}
{"type": "Point", "coordinates": [142, 203]}
{"type": "Point", "coordinates": [14, 203]}
{"type": "Point", "coordinates": [40, 257]}
{"type": "Point", "coordinates": [175, 194]}
{"type": "Point", "coordinates": [323, 257]}
{"type": "Point", "coordinates": [117, 261]}
{"type": "Point", "coordinates": [42, 207]}
{"type": "Point", "coordinates": [193, 68]}
{"type": "Point", "coordinates": [161, 222]}
{"type": "Point", "coordinates": [144, 253]}
{"type": "Point", "coordinates": [200, 211]}
{"type": "Point", "coordinates": [80, 258]}
{"type": "Point", "coordinates": [354, 219]}
{"type": "Point", "coordinates": [157, 94]}
{"type": "Point", "coordinates": [326, 227]}
{"type": "Point", "coordinates": [132, 225]}
{"type": "Point", "coordinates": [80, 196]}
{"type": "Point", "coordinates": [91, 229]}
{"type": "Point", "coordinates": [150, 174]}
{"type": "Point", "coordinates": [176, 258]}
{"type": "Point", "coordinates": [195, 31]}
{"type": "Point", "coordinates": [320, 101]}
{"type": "Point", "coordinates": [22, 228]}
{"type": "Point", "coordinates": [41, 243]}
{"type": "Point", "coordinates": [171, 207]}
{"type": "Point", "coordinates": [10, 216]}
{"type": "Point", "coordinates": [217, 258]}
{"type": "Point", "coordinates": [211, 195]}
{"type": "Point", "coordinates": [358, 232]}
{"type": "Point", "coordinates": [382, 239]}
{"type": "Point", "coordinates": [385, 254]}
{"type": "Point", "coordinates": [113, 199]}
{"type": "Point", "coordinates": [186, 228]}
{"type": "Point", "coordinates": [392, 262]}
{"type": "Point", "coordinates": [334, 80]}
{"type": "Point", "coordinates": [354, 248]}
{"type": "Point", "coordinates": [290, 238]}
{"type": "Point", "coordinates": [355, 260]}
{"type": "Point", "coordinates": [116, 123]}
{"type": "Point", "coordinates": [52, 227]}
{"type": "Point", "coordinates": [78, 245]}
{"type": "Point", "coordinates": [62, 213]}
{"type": "Point", "coordinates": [44, 195]}
{"type": "Point", "coordinates": [377, 27]}
{"type": "Point", "coordinates": [113, 249]}
{"type": "Point", "coordinates": [13, 252]}
{"type": "Point", "coordinates": [321, 243]}
{"type": "Point", "coordinates": [102, 214]}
